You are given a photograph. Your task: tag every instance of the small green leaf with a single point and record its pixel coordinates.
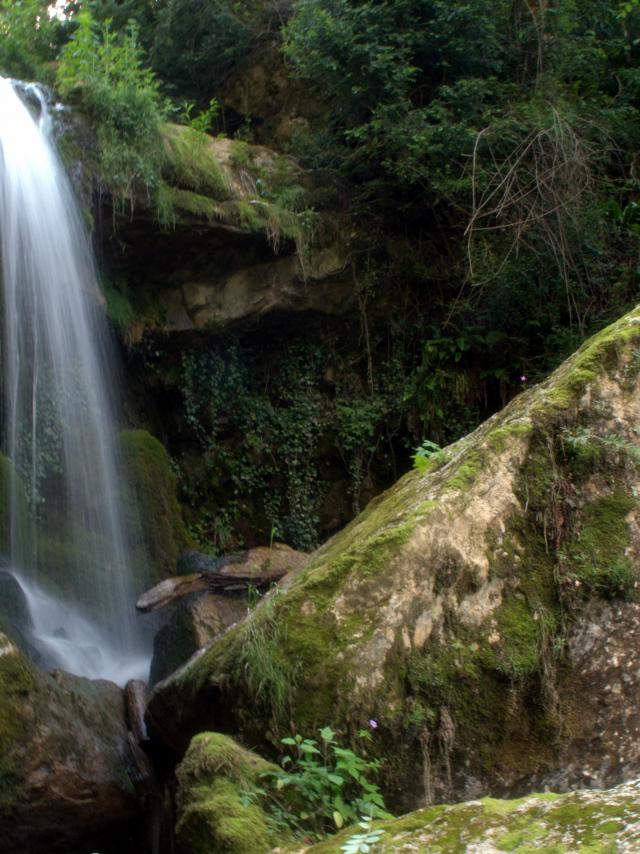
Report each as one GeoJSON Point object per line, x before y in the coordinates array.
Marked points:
{"type": "Point", "coordinates": [327, 734]}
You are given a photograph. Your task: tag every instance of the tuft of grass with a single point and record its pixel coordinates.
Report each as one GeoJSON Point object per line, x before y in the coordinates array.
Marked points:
{"type": "Point", "coordinates": [267, 675]}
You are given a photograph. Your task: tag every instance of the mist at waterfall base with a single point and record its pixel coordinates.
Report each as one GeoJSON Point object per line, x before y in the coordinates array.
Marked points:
{"type": "Point", "coordinates": [59, 424]}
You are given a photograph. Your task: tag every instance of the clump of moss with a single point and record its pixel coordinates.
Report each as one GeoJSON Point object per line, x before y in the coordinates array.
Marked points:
{"type": "Point", "coordinates": [186, 201]}
{"type": "Point", "coordinates": [218, 801]}
{"type": "Point", "coordinates": [132, 309]}
{"type": "Point", "coordinates": [192, 163]}
{"type": "Point", "coordinates": [16, 682]}
{"type": "Point", "coordinates": [595, 558]}
{"type": "Point", "coordinates": [154, 514]}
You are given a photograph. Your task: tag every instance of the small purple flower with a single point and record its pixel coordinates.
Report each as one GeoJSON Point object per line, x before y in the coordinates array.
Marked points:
{"type": "Point", "coordinates": [373, 724]}
{"type": "Point", "coordinates": [523, 379]}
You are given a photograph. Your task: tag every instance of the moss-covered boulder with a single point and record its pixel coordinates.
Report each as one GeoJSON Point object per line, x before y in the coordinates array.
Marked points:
{"type": "Point", "coordinates": [153, 513]}
{"type": "Point", "coordinates": [597, 822]}
{"type": "Point", "coordinates": [68, 770]}
{"type": "Point", "coordinates": [457, 608]}
{"type": "Point", "coordinates": [218, 804]}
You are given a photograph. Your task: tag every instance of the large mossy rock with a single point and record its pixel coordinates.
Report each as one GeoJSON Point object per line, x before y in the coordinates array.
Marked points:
{"type": "Point", "coordinates": [217, 800]}
{"type": "Point", "coordinates": [154, 516]}
{"type": "Point", "coordinates": [477, 610]}
{"type": "Point", "coordinates": [597, 822]}
{"type": "Point", "coordinates": [68, 770]}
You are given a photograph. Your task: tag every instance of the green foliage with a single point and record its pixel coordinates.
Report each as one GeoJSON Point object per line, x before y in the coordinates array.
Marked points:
{"type": "Point", "coordinates": [447, 387]}
{"type": "Point", "coordinates": [119, 13]}
{"type": "Point", "coordinates": [195, 44]}
{"type": "Point", "coordinates": [202, 120]}
{"type": "Point", "coordinates": [369, 58]}
{"type": "Point", "coordinates": [105, 73]}
{"type": "Point", "coordinates": [500, 129]}
{"type": "Point", "coordinates": [267, 423]}
{"type": "Point", "coordinates": [365, 842]}
{"type": "Point", "coordinates": [425, 453]}
{"type": "Point", "coordinates": [28, 39]}
{"type": "Point", "coordinates": [191, 163]}
{"type": "Point", "coordinates": [330, 783]}
{"type": "Point", "coordinates": [280, 427]}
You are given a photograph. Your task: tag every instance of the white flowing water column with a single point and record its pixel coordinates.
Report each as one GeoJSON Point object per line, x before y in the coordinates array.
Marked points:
{"type": "Point", "coordinates": [56, 359]}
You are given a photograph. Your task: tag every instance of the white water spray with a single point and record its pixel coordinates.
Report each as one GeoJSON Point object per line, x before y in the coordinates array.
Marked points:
{"type": "Point", "coordinates": [59, 424]}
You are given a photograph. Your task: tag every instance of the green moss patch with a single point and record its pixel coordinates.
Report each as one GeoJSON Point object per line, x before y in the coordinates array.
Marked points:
{"type": "Point", "coordinates": [596, 557]}
{"type": "Point", "coordinates": [192, 163]}
{"type": "Point", "coordinates": [593, 822]}
{"type": "Point", "coordinates": [16, 683]}
{"type": "Point", "coordinates": [154, 514]}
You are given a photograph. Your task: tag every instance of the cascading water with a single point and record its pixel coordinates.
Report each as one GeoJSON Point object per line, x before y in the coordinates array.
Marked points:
{"type": "Point", "coordinates": [59, 425]}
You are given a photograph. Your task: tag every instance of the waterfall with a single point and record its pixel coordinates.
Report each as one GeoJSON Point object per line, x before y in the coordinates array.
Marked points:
{"type": "Point", "coordinates": [71, 555]}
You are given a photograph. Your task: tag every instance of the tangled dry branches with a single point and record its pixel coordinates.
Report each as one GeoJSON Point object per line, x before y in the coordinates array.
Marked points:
{"type": "Point", "coordinates": [534, 195]}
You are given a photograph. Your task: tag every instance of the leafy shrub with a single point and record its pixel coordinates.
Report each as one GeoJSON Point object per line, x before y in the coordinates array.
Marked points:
{"type": "Point", "coordinates": [28, 39]}
{"type": "Point", "coordinates": [365, 842]}
{"type": "Point", "coordinates": [425, 452]}
{"type": "Point", "coordinates": [330, 783]}
{"type": "Point", "coordinates": [196, 43]}
{"type": "Point", "coordinates": [105, 73]}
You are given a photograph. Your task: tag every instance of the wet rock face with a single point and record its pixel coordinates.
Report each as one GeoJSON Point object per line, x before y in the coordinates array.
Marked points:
{"type": "Point", "coordinates": [483, 610]}
{"type": "Point", "coordinates": [15, 620]}
{"type": "Point", "coordinates": [68, 767]}
{"type": "Point", "coordinates": [604, 656]}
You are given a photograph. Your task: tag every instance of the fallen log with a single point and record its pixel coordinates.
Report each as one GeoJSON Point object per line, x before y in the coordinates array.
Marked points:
{"type": "Point", "coordinates": [171, 589]}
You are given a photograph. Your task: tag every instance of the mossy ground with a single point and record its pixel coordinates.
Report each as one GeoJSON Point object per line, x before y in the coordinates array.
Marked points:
{"type": "Point", "coordinates": [244, 193]}
{"type": "Point", "coordinates": [591, 822]}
